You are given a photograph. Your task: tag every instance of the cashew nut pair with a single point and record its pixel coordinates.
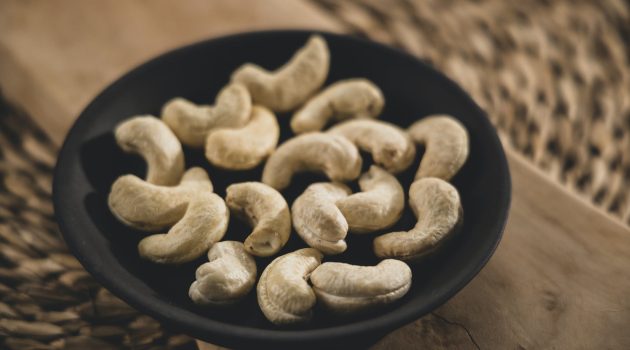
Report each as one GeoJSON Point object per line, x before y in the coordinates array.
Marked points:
{"type": "Point", "coordinates": [325, 212]}
{"type": "Point", "coordinates": [236, 134]}
{"type": "Point", "coordinates": [199, 218]}
{"type": "Point", "coordinates": [285, 296]}
{"type": "Point", "coordinates": [436, 205]}
{"type": "Point", "coordinates": [191, 123]}
{"type": "Point", "coordinates": [290, 85]}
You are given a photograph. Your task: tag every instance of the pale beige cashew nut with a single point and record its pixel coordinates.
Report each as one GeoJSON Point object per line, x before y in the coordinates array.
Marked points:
{"type": "Point", "coordinates": [191, 122]}
{"type": "Point", "coordinates": [290, 85]}
{"type": "Point", "coordinates": [246, 147]}
{"type": "Point", "coordinates": [284, 295]}
{"type": "Point", "coordinates": [446, 146]}
{"type": "Point", "coordinates": [318, 221]}
{"type": "Point", "coordinates": [345, 99]}
{"type": "Point", "coordinates": [389, 145]}
{"type": "Point", "coordinates": [335, 156]}
{"type": "Point", "coordinates": [227, 277]}
{"type": "Point", "coordinates": [149, 207]}
{"type": "Point", "coordinates": [150, 138]}
{"type": "Point", "coordinates": [266, 211]}
{"type": "Point", "coordinates": [437, 206]}
{"type": "Point", "coordinates": [345, 289]}
{"type": "Point", "coordinates": [378, 206]}
{"type": "Point", "coordinates": [203, 224]}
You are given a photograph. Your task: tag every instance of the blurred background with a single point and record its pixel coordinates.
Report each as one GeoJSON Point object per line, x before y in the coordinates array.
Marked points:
{"type": "Point", "coordinates": [553, 76]}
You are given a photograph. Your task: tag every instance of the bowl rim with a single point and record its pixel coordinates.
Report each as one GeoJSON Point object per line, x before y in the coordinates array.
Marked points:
{"type": "Point", "coordinates": [210, 330]}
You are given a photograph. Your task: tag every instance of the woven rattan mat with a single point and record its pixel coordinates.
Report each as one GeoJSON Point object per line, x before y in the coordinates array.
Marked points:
{"type": "Point", "coordinates": [553, 76]}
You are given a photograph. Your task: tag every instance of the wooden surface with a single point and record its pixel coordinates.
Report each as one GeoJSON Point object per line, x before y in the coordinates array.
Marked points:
{"type": "Point", "coordinates": [559, 279]}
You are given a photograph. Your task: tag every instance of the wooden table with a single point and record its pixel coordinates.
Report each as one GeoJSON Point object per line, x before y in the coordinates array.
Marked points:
{"type": "Point", "coordinates": [559, 278]}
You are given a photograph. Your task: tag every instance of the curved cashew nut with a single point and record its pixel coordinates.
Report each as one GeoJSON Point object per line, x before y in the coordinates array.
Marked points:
{"type": "Point", "coordinates": [284, 295]}
{"type": "Point", "coordinates": [287, 87]}
{"type": "Point", "coordinates": [351, 98]}
{"type": "Point", "coordinates": [446, 143]}
{"type": "Point", "coordinates": [437, 206]}
{"type": "Point", "coordinates": [155, 142]}
{"type": "Point", "coordinates": [244, 148]}
{"type": "Point", "coordinates": [191, 122]}
{"type": "Point", "coordinates": [344, 288]}
{"type": "Point", "coordinates": [389, 145]}
{"type": "Point", "coordinates": [333, 155]}
{"type": "Point", "coordinates": [266, 210]}
{"type": "Point", "coordinates": [229, 275]}
{"type": "Point", "coordinates": [379, 206]}
{"type": "Point", "coordinates": [148, 207]}
{"type": "Point", "coordinates": [317, 219]}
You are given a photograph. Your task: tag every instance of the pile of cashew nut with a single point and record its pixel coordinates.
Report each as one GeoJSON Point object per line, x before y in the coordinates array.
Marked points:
{"type": "Point", "coordinates": [241, 131]}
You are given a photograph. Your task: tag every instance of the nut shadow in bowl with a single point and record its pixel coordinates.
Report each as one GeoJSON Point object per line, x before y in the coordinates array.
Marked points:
{"type": "Point", "coordinates": [90, 161]}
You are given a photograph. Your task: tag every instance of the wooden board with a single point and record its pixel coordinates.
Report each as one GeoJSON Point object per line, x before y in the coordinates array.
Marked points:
{"type": "Point", "coordinates": [559, 279]}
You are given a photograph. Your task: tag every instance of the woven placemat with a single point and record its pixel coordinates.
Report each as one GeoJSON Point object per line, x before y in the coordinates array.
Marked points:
{"type": "Point", "coordinates": [553, 76]}
{"type": "Point", "coordinates": [47, 300]}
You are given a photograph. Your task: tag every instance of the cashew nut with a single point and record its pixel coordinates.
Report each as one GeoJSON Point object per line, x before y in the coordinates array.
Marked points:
{"type": "Point", "coordinates": [317, 219]}
{"type": "Point", "coordinates": [155, 142]}
{"type": "Point", "coordinates": [351, 98]}
{"type": "Point", "coordinates": [287, 87]}
{"type": "Point", "coordinates": [191, 122]}
{"type": "Point", "coordinates": [379, 206]}
{"type": "Point", "coordinates": [244, 148]}
{"type": "Point", "coordinates": [389, 145]}
{"type": "Point", "coordinates": [284, 295]}
{"type": "Point", "coordinates": [149, 207]}
{"type": "Point", "coordinates": [437, 206]}
{"type": "Point", "coordinates": [229, 275]}
{"type": "Point", "coordinates": [446, 143]}
{"type": "Point", "coordinates": [344, 288]}
{"type": "Point", "coordinates": [266, 210]}
{"type": "Point", "coordinates": [333, 155]}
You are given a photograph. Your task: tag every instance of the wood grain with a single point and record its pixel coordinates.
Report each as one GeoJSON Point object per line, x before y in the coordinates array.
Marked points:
{"type": "Point", "coordinates": [558, 279]}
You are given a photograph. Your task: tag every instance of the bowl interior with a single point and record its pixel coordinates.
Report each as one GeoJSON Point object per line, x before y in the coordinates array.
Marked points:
{"type": "Point", "coordinates": [90, 161]}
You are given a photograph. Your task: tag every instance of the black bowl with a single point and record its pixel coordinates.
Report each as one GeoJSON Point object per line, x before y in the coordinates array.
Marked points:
{"type": "Point", "coordinates": [90, 161]}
